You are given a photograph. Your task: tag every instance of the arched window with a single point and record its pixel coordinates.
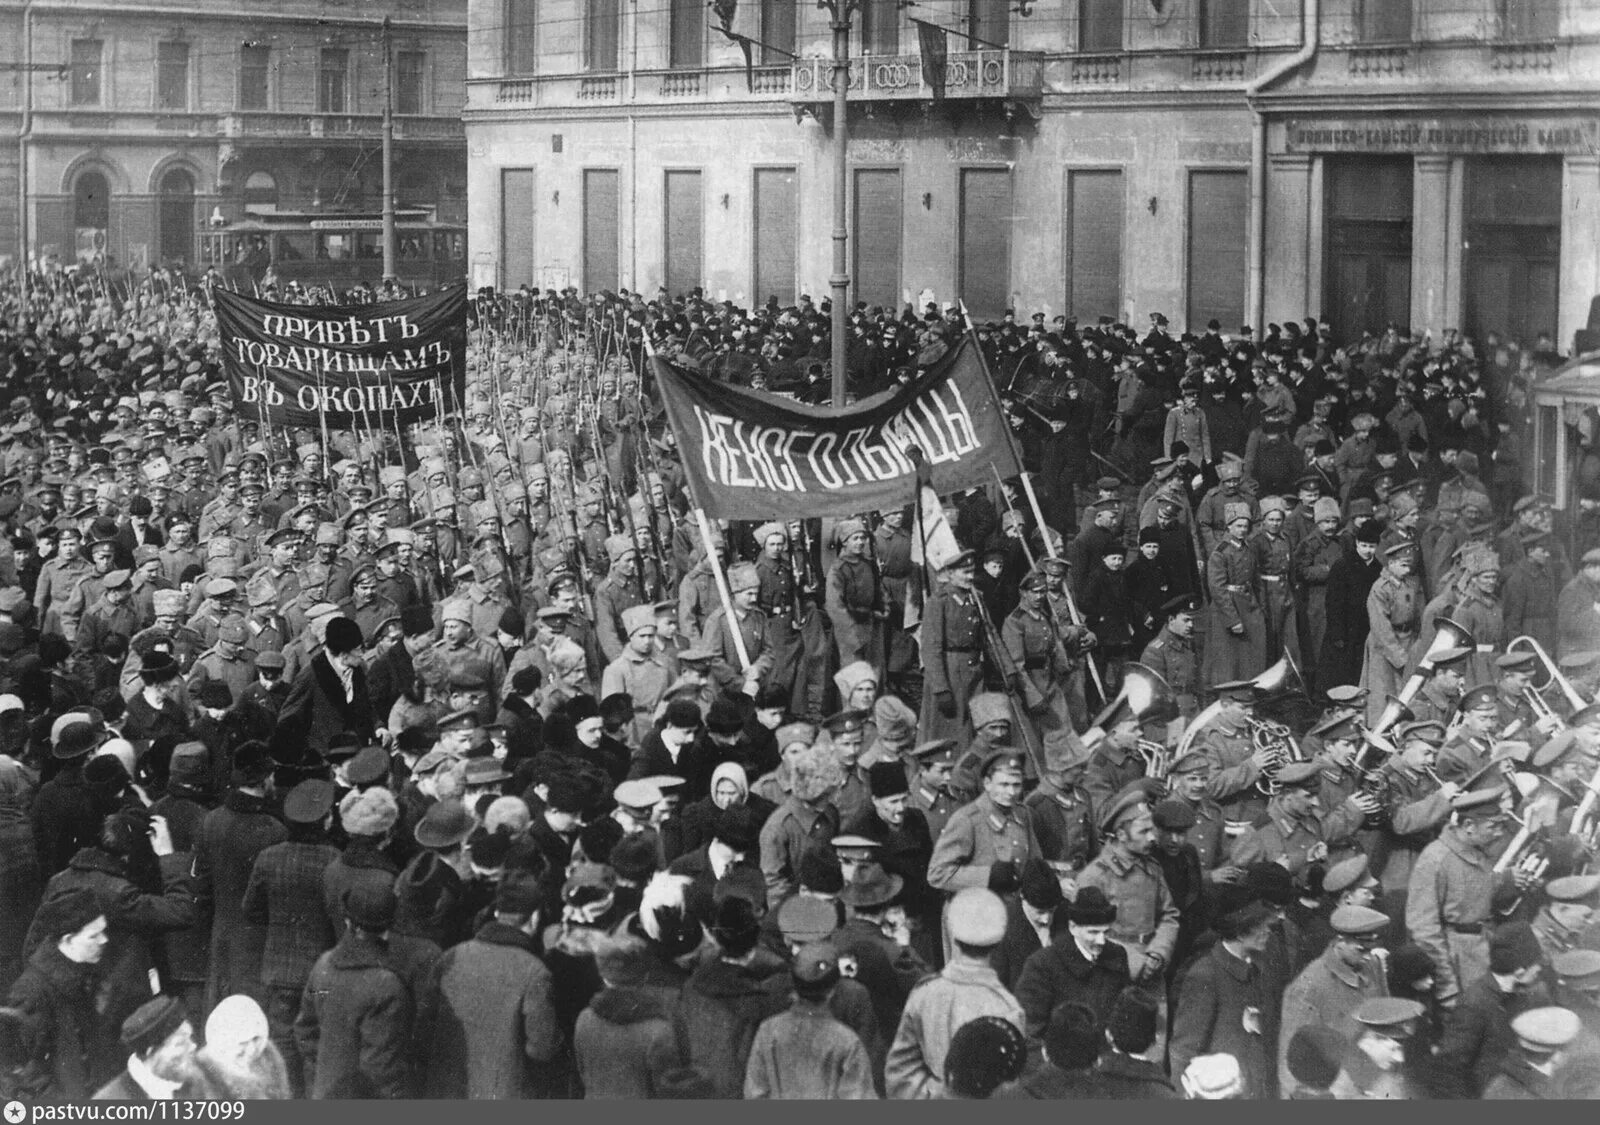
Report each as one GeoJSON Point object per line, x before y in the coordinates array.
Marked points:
{"type": "Point", "coordinates": [92, 202]}
{"type": "Point", "coordinates": [175, 220]}
{"type": "Point", "coordinates": [260, 192]}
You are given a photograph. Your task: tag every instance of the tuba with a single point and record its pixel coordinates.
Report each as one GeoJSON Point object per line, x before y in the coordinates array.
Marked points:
{"type": "Point", "coordinates": [1280, 742]}
{"type": "Point", "coordinates": [1554, 677]}
{"type": "Point", "coordinates": [1146, 697]}
{"type": "Point", "coordinates": [1374, 781]}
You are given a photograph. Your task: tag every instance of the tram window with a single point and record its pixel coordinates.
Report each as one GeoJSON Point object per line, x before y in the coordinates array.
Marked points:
{"type": "Point", "coordinates": [294, 247]}
{"type": "Point", "coordinates": [333, 247]}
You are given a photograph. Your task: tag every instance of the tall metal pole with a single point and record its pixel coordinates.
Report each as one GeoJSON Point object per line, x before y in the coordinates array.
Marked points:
{"type": "Point", "coordinates": [840, 281]}
{"type": "Point", "coordinates": [388, 156]}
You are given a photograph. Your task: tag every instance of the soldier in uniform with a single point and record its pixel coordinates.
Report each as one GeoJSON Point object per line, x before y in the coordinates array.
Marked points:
{"type": "Point", "coordinates": [1469, 748]}
{"type": "Point", "coordinates": [1314, 556]}
{"type": "Point", "coordinates": [1570, 905]}
{"type": "Point", "coordinates": [265, 630]}
{"type": "Point", "coordinates": [58, 578]}
{"type": "Point", "coordinates": [640, 671]}
{"type": "Point", "coordinates": [1171, 656]}
{"type": "Point", "coordinates": [458, 644]}
{"type": "Point", "coordinates": [1514, 715]}
{"type": "Point", "coordinates": [226, 662]}
{"type": "Point", "coordinates": [995, 829]}
{"type": "Point", "coordinates": [776, 599]}
{"type": "Point", "coordinates": [1274, 569]}
{"type": "Point", "coordinates": [615, 594]}
{"type": "Point", "coordinates": [744, 588]}
{"type": "Point", "coordinates": [251, 525]}
{"type": "Point", "coordinates": [855, 599]}
{"type": "Point", "coordinates": [1044, 658]}
{"type": "Point", "coordinates": [966, 989]}
{"type": "Point", "coordinates": [394, 582]}
{"type": "Point", "coordinates": [1293, 832]}
{"type": "Point", "coordinates": [179, 553]}
{"type": "Point", "coordinates": [1236, 647]}
{"type": "Point", "coordinates": [1063, 811]}
{"type": "Point", "coordinates": [279, 571]}
{"type": "Point", "coordinates": [365, 606]}
{"type": "Point", "coordinates": [219, 512]}
{"type": "Point", "coordinates": [1441, 693]}
{"type": "Point", "coordinates": [1188, 778]}
{"type": "Point", "coordinates": [892, 545]}
{"type": "Point", "coordinates": [952, 652]}
{"type": "Point", "coordinates": [1394, 613]}
{"type": "Point", "coordinates": [1450, 896]}
{"type": "Point", "coordinates": [930, 790]}
{"type": "Point", "coordinates": [1236, 763]}
{"type": "Point", "coordinates": [1127, 872]}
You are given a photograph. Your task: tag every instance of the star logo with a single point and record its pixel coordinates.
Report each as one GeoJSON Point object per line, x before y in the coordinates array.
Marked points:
{"type": "Point", "coordinates": [16, 1112]}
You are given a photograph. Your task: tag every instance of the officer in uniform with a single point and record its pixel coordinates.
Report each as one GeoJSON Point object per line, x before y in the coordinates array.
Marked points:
{"type": "Point", "coordinates": [1450, 896]}
{"type": "Point", "coordinates": [1171, 656]}
{"type": "Point", "coordinates": [1292, 833]}
{"type": "Point", "coordinates": [930, 788]}
{"type": "Point", "coordinates": [1569, 910]}
{"type": "Point", "coordinates": [279, 571]}
{"type": "Point", "coordinates": [1394, 612]}
{"type": "Point", "coordinates": [265, 630]}
{"type": "Point", "coordinates": [1127, 872]}
{"type": "Point", "coordinates": [1063, 811]}
{"type": "Point", "coordinates": [952, 652]}
{"type": "Point", "coordinates": [251, 525]}
{"type": "Point", "coordinates": [966, 989]}
{"type": "Point", "coordinates": [997, 828]}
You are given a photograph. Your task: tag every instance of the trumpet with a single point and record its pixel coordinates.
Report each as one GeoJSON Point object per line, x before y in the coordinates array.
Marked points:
{"type": "Point", "coordinates": [1553, 675]}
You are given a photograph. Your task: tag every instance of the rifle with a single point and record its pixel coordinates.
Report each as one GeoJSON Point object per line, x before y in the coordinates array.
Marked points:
{"type": "Point", "coordinates": [1002, 662]}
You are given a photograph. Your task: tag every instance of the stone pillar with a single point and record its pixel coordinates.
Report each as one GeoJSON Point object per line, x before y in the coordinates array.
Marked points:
{"type": "Point", "coordinates": [1431, 277]}
{"type": "Point", "coordinates": [1289, 235]}
{"type": "Point", "coordinates": [1580, 244]}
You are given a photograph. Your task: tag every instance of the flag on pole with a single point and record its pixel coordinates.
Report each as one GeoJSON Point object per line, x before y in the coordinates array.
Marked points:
{"type": "Point", "coordinates": [932, 42]}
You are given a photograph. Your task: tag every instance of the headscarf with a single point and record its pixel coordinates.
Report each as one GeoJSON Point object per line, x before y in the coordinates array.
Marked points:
{"type": "Point", "coordinates": [734, 772]}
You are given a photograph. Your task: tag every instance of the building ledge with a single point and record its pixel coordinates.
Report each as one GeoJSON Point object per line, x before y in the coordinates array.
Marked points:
{"type": "Point", "coordinates": [335, 126]}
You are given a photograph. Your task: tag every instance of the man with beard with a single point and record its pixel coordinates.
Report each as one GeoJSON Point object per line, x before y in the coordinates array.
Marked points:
{"type": "Point", "coordinates": [161, 1059]}
{"type": "Point", "coordinates": [1146, 922]}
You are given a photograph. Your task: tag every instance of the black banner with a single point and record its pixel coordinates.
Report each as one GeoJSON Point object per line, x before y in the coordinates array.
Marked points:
{"type": "Point", "coordinates": [752, 455]}
{"type": "Point", "coordinates": [357, 367]}
{"type": "Point", "coordinates": [935, 51]}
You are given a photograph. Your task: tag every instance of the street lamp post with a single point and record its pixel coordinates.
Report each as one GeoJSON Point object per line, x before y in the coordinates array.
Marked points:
{"type": "Point", "coordinates": [840, 12]}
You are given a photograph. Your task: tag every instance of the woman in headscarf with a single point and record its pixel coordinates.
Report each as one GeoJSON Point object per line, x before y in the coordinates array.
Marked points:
{"type": "Point", "coordinates": [21, 882]}
{"type": "Point", "coordinates": [730, 788]}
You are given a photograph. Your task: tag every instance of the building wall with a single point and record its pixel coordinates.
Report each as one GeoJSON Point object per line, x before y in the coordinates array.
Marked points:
{"type": "Point", "coordinates": [135, 143]}
{"type": "Point", "coordinates": [1160, 110]}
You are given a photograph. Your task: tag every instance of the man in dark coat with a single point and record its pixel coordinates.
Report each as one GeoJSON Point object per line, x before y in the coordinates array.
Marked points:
{"type": "Point", "coordinates": [158, 1041]}
{"type": "Point", "coordinates": [230, 839]}
{"type": "Point", "coordinates": [1030, 917]}
{"type": "Point", "coordinates": [136, 917]}
{"type": "Point", "coordinates": [491, 1028]}
{"type": "Point", "coordinates": [728, 997]}
{"type": "Point", "coordinates": [1122, 1073]}
{"type": "Point", "coordinates": [64, 815]}
{"type": "Point", "coordinates": [1220, 1008]}
{"type": "Point", "coordinates": [284, 895]}
{"type": "Point", "coordinates": [368, 817]}
{"type": "Point", "coordinates": [55, 996]}
{"type": "Point", "coordinates": [1477, 1031]}
{"type": "Point", "coordinates": [1349, 581]}
{"type": "Point", "coordinates": [1081, 965]}
{"type": "Point", "coordinates": [355, 1022]}
{"type": "Point", "coordinates": [327, 699]}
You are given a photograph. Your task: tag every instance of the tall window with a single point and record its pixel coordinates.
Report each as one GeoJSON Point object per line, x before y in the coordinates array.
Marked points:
{"type": "Point", "coordinates": [86, 71]}
{"type": "Point", "coordinates": [260, 192]}
{"type": "Point", "coordinates": [521, 19]}
{"type": "Point", "coordinates": [176, 216]}
{"type": "Point", "coordinates": [408, 81]}
{"type": "Point", "coordinates": [255, 62]}
{"type": "Point", "coordinates": [333, 81]}
{"type": "Point", "coordinates": [1385, 21]}
{"type": "Point", "coordinates": [1530, 19]}
{"type": "Point", "coordinates": [880, 27]}
{"type": "Point", "coordinates": [602, 34]}
{"type": "Point", "coordinates": [1224, 23]}
{"type": "Point", "coordinates": [91, 202]}
{"type": "Point", "coordinates": [600, 222]}
{"type": "Point", "coordinates": [1100, 25]}
{"type": "Point", "coordinates": [777, 30]}
{"type": "Point", "coordinates": [172, 75]}
{"type": "Point", "coordinates": [989, 21]}
{"type": "Point", "coordinates": [688, 33]}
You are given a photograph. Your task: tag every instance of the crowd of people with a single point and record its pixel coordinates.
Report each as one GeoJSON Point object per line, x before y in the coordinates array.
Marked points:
{"type": "Point", "coordinates": [455, 761]}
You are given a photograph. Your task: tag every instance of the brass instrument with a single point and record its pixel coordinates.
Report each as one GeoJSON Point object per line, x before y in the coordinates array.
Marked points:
{"type": "Point", "coordinates": [1553, 674]}
{"type": "Point", "coordinates": [1280, 742]}
{"type": "Point", "coordinates": [1374, 781]}
{"type": "Point", "coordinates": [1281, 675]}
{"type": "Point", "coordinates": [1157, 759]}
{"type": "Point", "coordinates": [1448, 636]}
{"type": "Point", "coordinates": [1145, 696]}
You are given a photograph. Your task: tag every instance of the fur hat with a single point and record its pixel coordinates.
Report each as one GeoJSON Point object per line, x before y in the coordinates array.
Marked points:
{"type": "Point", "coordinates": [368, 812]}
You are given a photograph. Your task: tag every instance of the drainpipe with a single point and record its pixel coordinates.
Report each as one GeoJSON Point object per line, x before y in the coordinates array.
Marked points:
{"type": "Point", "coordinates": [22, 146]}
{"type": "Point", "coordinates": [1255, 296]}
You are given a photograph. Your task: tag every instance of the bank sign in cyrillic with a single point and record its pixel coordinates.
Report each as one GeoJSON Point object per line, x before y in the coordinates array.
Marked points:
{"type": "Point", "coordinates": [752, 455]}
{"type": "Point", "coordinates": [356, 367]}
